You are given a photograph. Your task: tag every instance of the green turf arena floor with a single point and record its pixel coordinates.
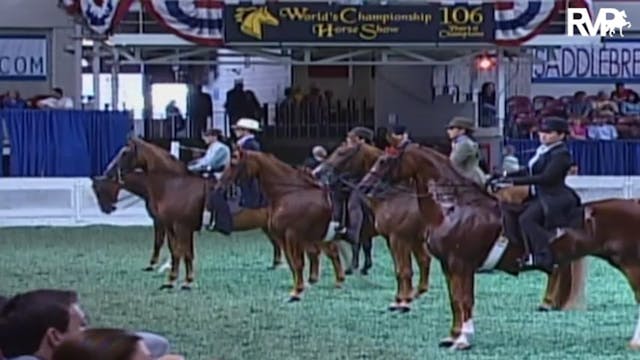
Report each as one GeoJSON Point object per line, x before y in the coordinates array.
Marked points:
{"type": "Point", "coordinates": [237, 310]}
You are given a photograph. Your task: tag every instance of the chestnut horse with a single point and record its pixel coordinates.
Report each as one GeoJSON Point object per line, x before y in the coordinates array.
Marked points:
{"type": "Point", "coordinates": [176, 197]}
{"type": "Point", "coordinates": [107, 190]}
{"type": "Point", "coordinates": [300, 210]}
{"type": "Point", "coordinates": [397, 219]}
{"type": "Point", "coordinates": [466, 227]}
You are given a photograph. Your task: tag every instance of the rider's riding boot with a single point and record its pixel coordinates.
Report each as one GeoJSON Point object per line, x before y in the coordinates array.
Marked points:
{"type": "Point", "coordinates": [541, 259]}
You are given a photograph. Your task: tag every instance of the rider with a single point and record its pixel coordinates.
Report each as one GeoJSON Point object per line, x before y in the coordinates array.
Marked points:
{"type": "Point", "coordinates": [399, 137]}
{"type": "Point", "coordinates": [465, 152]}
{"type": "Point", "coordinates": [551, 201]}
{"type": "Point", "coordinates": [250, 194]}
{"type": "Point", "coordinates": [216, 158]}
{"type": "Point", "coordinates": [357, 135]}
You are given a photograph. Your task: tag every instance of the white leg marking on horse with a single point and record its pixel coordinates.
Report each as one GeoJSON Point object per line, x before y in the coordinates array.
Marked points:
{"type": "Point", "coordinates": [635, 341]}
{"type": "Point", "coordinates": [463, 341]}
{"type": "Point", "coordinates": [166, 266]}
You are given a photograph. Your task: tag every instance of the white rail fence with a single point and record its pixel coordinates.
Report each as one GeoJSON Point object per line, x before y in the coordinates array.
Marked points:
{"type": "Point", "coordinates": [71, 202]}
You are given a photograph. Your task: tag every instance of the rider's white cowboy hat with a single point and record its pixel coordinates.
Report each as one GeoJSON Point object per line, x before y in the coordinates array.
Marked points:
{"type": "Point", "coordinates": [247, 124]}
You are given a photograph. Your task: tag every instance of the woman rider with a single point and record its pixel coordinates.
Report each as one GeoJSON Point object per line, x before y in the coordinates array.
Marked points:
{"type": "Point", "coordinates": [465, 152]}
{"type": "Point", "coordinates": [551, 201]}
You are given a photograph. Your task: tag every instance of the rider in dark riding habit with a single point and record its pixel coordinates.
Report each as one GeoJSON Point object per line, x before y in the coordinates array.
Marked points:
{"type": "Point", "coordinates": [357, 135]}
{"type": "Point", "coordinates": [551, 201]}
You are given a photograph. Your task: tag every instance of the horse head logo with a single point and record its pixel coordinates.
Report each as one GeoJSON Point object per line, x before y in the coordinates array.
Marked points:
{"type": "Point", "coordinates": [618, 22]}
{"type": "Point", "coordinates": [252, 19]}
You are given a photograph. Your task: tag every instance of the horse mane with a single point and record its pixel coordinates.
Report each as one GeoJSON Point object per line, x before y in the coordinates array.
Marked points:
{"type": "Point", "coordinates": [305, 177]}
{"type": "Point", "coordinates": [163, 155]}
{"type": "Point", "coordinates": [442, 163]}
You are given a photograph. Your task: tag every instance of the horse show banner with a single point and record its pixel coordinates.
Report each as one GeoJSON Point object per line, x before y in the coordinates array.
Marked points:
{"type": "Point", "coordinates": [23, 57]}
{"type": "Point", "coordinates": [597, 64]}
{"type": "Point", "coordinates": [297, 22]}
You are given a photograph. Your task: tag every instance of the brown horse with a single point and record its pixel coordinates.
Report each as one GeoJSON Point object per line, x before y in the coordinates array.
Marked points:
{"type": "Point", "coordinates": [176, 197]}
{"type": "Point", "coordinates": [397, 219]}
{"type": "Point", "coordinates": [106, 191]}
{"type": "Point", "coordinates": [300, 211]}
{"type": "Point", "coordinates": [466, 228]}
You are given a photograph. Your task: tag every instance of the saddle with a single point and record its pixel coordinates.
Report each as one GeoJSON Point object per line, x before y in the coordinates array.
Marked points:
{"type": "Point", "coordinates": [511, 227]}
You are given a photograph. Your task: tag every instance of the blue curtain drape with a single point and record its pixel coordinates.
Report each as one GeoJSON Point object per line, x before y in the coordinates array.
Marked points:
{"type": "Point", "coordinates": [619, 157]}
{"type": "Point", "coordinates": [106, 135]}
{"type": "Point", "coordinates": [63, 143]}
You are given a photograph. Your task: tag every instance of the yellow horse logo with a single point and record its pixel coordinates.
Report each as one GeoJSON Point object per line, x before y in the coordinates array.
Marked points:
{"type": "Point", "coordinates": [251, 20]}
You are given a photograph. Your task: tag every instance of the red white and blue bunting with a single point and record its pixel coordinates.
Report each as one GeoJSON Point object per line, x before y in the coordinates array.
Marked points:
{"type": "Point", "coordinates": [199, 21]}
{"type": "Point", "coordinates": [100, 15]}
{"type": "Point", "coordinates": [519, 21]}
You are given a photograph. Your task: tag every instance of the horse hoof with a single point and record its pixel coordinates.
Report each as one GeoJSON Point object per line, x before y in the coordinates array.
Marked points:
{"type": "Point", "coordinates": [187, 287]}
{"type": "Point", "coordinates": [349, 271]}
{"type": "Point", "coordinates": [460, 345]}
{"type": "Point", "coordinates": [634, 345]}
{"type": "Point", "coordinates": [364, 272]}
{"type": "Point", "coordinates": [446, 342]}
{"type": "Point", "coordinates": [167, 287]}
{"type": "Point", "coordinates": [294, 298]}
{"type": "Point", "coordinates": [339, 285]}
{"type": "Point", "coordinates": [419, 293]}
{"type": "Point", "coordinates": [313, 280]}
{"type": "Point", "coordinates": [393, 306]}
{"type": "Point", "coordinates": [544, 308]}
{"type": "Point", "coordinates": [148, 268]}
{"type": "Point", "coordinates": [404, 308]}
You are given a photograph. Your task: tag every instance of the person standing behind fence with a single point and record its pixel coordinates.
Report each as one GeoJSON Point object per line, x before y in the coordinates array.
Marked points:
{"type": "Point", "coordinates": [318, 155]}
{"type": "Point", "coordinates": [236, 101]}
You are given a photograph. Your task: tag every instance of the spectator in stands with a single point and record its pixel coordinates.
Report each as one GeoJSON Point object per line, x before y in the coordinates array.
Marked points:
{"type": "Point", "coordinates": [510, 162]}
{"type": "Point", "coordinates": [3, 300]}
{"type": "Point", "coordinates": [487, 102]}
{"type": "Point", "coordinates": [318, 155]}
{"type": "Point", "coordinates": [600, 129]}
{"type": "Point", "coordinates": [13, 101]}
{"type": "Point", "coordinates": [603, 106]}
{"type": "Point", "coordinates": [578, 128]}
{"type": "Point", "coordinates": [57, 100]}
{"type": "Point", "coordinates": [631, 106]}
{"type": "Point", "coordinates": [34, 323]}
{"type": "Point", "coordinates": [621, 93]}
{"type": "Point", "coordinates": [579, 106]}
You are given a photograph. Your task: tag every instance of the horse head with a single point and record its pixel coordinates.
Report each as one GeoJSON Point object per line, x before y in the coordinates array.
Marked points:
{"type": "Point", "coordinates": [391, 169]}
{"type": "Point", "coordinates": [106, 191]}
{"type": "Point", "coordinates": [347, 160]}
